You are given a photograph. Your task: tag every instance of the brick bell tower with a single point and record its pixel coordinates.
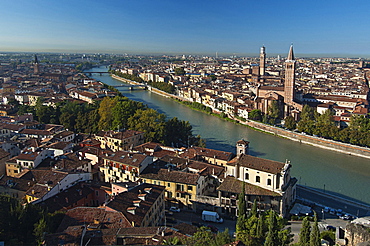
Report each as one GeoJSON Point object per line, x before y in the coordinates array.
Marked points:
{"type": "Point", "coordinates": [290, 66]}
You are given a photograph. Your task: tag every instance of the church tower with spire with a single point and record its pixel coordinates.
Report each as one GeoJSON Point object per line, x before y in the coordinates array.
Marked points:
{"type": "Point", "coordinates": [290, 67]}
{"type": "Point", "coordinates": [262, 61]}
{"type": "Point", "coordinates": [36, 67]}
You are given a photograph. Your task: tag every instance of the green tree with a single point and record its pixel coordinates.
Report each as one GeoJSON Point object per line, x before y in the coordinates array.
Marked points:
{"type": "Point", "coordinates": [328, 236]}
{"type": "Point", "coordinates": [198, 141]}
{"type": "Point", "coordinates": [172, 241]}
{"type": "Point", "coordinates": [223, 238]}
{"type": "Point", "coordinates": [202, 237]}
{"type": "Point", "coordinates": [150, 122]}
{"type": "Point", "coordinates": [315, 233]}
{"type": "Point", "coordinates": [272, 237]}
{"type": "Point", "coordinates": [39, 230]}
{"type": "Point", "coordinates": [106, 113]}
{"type": "Point", "coordinates": [304, 235]}
{"type": "Point", "coordinates": [324, 124]}
{"type": "Point", "coordinates": [307, 121]}
{"type": "Point", "coordinates": [123, 109]}
{"type": "Point", "coordinates": [177, 132]}
{"type": "Point", "coordinates": [255, 114]}
{"type": "Point", "coordinates": [242, 204]}
{"type": "Point", "coordinates": [273, 112]}
{"type": "Point", "coordinates": [290, 123]}
{"type": "Point", "coordinates": [241, 233]}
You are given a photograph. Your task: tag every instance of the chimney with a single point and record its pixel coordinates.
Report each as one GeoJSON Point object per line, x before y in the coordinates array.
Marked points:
{"type": "Point", "coordinates": [131, 210]}
{"type": "Point", "coordinates": [148, 190]}
{"type": "Point", "coordinates": [142, 196]}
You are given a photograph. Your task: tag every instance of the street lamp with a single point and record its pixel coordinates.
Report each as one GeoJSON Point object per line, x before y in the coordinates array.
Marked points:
{"type": "Point", "coordinates": [323, 214]}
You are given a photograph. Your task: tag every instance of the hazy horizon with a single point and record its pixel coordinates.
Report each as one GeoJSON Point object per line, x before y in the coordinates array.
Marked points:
{"type": "Point", "coordinates": [317, 28]}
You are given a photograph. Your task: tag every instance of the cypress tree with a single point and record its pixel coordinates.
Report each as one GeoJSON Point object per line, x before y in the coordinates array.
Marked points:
{"type": "Point", "coordinates": [271, 238]}
{"type": "Point", "coordinates": [242, 206]}
{"type": "Point", "coordinates": [241, 221]}
{"type": "Point", "coordinates": [315, 234]}
{"type": "Point", "coordinates": [304, 235]}
{"type": "Point", "coordinates": [254, 210]}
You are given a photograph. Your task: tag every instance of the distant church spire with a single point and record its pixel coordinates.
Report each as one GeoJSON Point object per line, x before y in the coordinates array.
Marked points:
{"type": "Point", "coordinates": [36, 68]}
{"type": "Point", "coordinates": [262, 61]}
{"type": "Point", "coordinates": [291, 53]}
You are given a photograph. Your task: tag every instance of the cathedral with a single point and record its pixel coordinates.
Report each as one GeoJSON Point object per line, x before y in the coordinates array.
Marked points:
{"type": "Point", "coordinates": [285, 96]}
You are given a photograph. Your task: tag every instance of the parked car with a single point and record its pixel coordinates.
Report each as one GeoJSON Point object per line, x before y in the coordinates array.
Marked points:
{"type": "Point", "coordinates": [326, 209]}
{"type": "Point", "coordinates": [346, 217]}
{"type": "Point", "coordinates": [174, 209]}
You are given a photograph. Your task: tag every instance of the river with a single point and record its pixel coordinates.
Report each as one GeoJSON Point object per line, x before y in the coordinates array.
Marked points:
{"type": "Point", "coordinates": [345, 175]}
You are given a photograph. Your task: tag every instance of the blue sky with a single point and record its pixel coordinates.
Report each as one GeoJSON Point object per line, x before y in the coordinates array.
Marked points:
{"type": "Point", "coordinates": [325, 27]}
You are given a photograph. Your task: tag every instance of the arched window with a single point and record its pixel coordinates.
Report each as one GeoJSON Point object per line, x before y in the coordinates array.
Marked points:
{"type": "Point", "coordinates": [246, 176]}
{"type": "Point", "coordinates": [268, 181]}
{"type": "Point", "coordinates": [258, 179]}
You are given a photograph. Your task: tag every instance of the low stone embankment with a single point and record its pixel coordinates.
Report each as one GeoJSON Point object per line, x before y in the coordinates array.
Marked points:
{"type": "Point", "coordinates": [315, 141]}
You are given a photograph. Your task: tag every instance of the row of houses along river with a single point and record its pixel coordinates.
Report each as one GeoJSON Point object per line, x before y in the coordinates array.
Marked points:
{"type": "Point", "coordinates": [329, 171]}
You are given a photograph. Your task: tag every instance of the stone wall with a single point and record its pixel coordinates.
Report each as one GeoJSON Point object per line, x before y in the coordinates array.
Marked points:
{"type": "Point", "coordinates": [356, 234]}
{"type": "Point", "coordinates": [315, 141]}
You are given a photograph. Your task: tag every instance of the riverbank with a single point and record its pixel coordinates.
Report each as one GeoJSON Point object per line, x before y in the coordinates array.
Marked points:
{"type": "Point", "coordinates": [297, 137]}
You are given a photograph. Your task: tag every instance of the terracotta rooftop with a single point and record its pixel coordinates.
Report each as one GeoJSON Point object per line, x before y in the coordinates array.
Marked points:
{"type": "Point", "coordinates": [66, 198]}
{"type": "Point", "coordinates": [125, 200]}
{"type": "Point", "coordinates": [125, 157]}
{"type": "Point", "coordinates": [171, 176]}
{"type": "Point", "coordinates": [88, 215]}
{"type": "Point", "coordinates": [194, 152]}
{"type": "Point", "coordinates": [233, 185]}
{"type": "Point", "coordinates": [257, 163]}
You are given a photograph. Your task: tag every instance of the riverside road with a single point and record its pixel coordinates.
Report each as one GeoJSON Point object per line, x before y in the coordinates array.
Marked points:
{"type": "Point", "coordinates": [326, 199]}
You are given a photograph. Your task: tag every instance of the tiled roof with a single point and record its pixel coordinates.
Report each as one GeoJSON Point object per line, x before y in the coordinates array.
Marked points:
{"type": "Point", "coordinates": [171, 176]}
{"type": "Point", "coordinates": [16, 183]}
{"type": "Point", "coordinates": [123, 201]}
{"type": "Point", "coordinates": [3, 154]}
{"type": "Point", "coordinates": [257, 163]}
{"type": "Point", "coordinates": [63, 134]}
{"type": "Point", "coordinates": [70, 162]}
{"type": "Point", "coordinates": [119, 135]}
{"type": "Point", "coordinates": [193, 152]}
{"type": "Point", "coordinates": [66, 198]}
{"type": "Point", "coordinates": [87, 215]}
{"type": "Point", "coordinates": [233, 185]}
{"type": "Point", "coordinates": [125, 157]}
{"type": "Point", "coordinates": [59, 145]}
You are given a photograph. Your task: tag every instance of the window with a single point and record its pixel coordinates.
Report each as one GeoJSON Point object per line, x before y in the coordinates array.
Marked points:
{"type": "Point", "coordinates": [180, 187]}
{"type": "Point", "coordinates": [168, 184]}
{"type": "Point", "coordinates": [268, 181]}
{"type": "Point", "coordinates": [190, 187]}
{"type": "Point", "coordinates": [246, 176]}
{"type": "Point", "coordinates": [258, 179]}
